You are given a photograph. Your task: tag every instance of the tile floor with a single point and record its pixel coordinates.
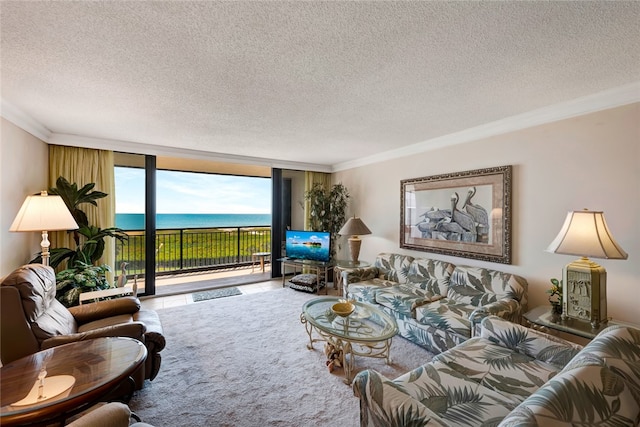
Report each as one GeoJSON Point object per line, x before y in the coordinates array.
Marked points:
{"type": "Point", "coordinates": [154, 303]}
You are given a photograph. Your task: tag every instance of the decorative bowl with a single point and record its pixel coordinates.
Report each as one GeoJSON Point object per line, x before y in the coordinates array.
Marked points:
{"type": "Point", "coordinates": [343, 309]}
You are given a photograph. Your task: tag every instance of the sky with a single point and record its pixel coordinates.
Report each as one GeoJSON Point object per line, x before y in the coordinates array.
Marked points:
{"type": "Point", "coordinates": [188, 192]}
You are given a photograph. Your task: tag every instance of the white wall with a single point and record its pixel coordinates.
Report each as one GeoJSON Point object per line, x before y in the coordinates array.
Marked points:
{"type": "Point", "coordinates": [24, 169]}
{"type": "Point", "coordinates": [591, 161]}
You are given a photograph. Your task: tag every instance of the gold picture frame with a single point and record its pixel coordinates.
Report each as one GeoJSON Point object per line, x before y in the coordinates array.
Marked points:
{"type": "Point", "coordinates": [464, 214]}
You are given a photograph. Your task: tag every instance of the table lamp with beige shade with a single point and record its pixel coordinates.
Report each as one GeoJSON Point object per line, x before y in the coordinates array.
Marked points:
{"type": "Point", "coordinates": [354, 227]}
{"type": "Point", "coordinates": [584, 283]}
{"type": "Point", "coordinates": [43, 212]}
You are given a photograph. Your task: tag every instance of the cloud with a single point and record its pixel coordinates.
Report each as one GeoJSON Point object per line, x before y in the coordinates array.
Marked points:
{"type": "Point", "coordinates": [188, 192]}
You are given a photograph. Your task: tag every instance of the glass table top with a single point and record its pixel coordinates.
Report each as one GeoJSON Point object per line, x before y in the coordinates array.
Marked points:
{"type": "Point", "coordinates": [366, 323]}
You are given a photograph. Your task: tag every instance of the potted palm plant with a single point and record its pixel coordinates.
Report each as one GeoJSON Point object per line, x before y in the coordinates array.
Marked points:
{"type": "Point", "coordinates": [328, 210]}
{"type": "Point", "coordinates": [81, 273]}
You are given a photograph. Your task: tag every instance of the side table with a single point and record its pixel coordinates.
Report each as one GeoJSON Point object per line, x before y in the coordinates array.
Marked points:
{"type": "Point", "coordinates": [542, 318]}
{"type": "Point", "coordinates": [345, 265]}
{"type": "Point", "coordinates": [96, 368]}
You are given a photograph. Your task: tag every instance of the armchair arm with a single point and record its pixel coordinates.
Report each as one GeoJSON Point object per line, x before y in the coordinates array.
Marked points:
{"type": "Point", "coordinates": [536, 344]}
{"type": "Point", "coordinates": [134, 330]}
{"type": "Point", "coordinates": [99, 310]}
{"type": "Point", "coordinates": [113, 414]}
{"type": "Point", "coordinates": [383, 403]}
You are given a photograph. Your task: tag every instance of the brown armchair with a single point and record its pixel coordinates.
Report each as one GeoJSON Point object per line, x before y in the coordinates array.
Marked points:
{"type": "Point", "coordinates": [31, 319]}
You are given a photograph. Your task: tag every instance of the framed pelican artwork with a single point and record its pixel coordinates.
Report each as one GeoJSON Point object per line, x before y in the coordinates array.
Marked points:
{"type": "Point", "coordinates": [465, 214]}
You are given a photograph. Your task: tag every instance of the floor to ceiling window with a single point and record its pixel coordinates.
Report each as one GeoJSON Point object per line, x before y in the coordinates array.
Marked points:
{"type": "Point", "coordinates": [204, 220]}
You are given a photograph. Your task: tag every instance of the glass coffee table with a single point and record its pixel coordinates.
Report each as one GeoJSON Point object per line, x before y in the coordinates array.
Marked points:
{"type": "Point", "coordinates": [365, 332]}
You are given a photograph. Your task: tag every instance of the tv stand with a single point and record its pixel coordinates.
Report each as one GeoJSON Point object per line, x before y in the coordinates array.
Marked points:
{"type": "Point", "coordinates": [321, 269]}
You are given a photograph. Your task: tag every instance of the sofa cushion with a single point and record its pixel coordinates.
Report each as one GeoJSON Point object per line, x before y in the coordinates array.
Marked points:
{"type": "Point", "coordinates": [541, 346]}
{"type": "Point", "coordinates": [498, 368]}
{"type": "Point", "coordinates": [366, 291]}
{"type": "Point", "coordinates": [457, 399]}
{"type": "Point", "coordinates": [394, 267]}
{"type": "Point", "coordinates": [404, 298]}
{"type": "Point", "coordinates": [430, 275]}
{"type": "Point", "coordinates": [447, 315]}
{"type": "Point", "coordinates": [480, 286]}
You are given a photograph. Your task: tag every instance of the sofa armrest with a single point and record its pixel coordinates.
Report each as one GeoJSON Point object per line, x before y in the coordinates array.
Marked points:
{"type": "Point", "coordinates": [536, 344]}
{"type": "Point", "coordinates": [133, 330]}
{"type": "Point", "coordinates": [507, 308]}
{"type": "Point", "coordinates": [383, 403]}
{"type": "Point", "coordinates": [101, 309]}
{"type": "Point", "coordinates": [354, 275]}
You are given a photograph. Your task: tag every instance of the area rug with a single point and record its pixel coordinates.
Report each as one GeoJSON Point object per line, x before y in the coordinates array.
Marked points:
{"type": "Point", "coordinates": [244, 362]}
{"type": "Point", "coordinates": [215, 293]}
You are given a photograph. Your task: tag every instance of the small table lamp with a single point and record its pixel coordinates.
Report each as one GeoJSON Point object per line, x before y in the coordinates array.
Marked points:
{"type": "Point", "coordinates": [584, 288]}
{"type": "Point", "coordinates": [353, 228]}
{"type": "Point", "coordinates": [43, 213]}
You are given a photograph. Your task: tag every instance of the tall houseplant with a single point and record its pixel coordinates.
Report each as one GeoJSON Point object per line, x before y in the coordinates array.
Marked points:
{"type": "Point", "coordinates": [327, 210]}
{"type": "Point", "coordinates": [82, 274]}
{"type": "Point", "coordinates": [89, 239]}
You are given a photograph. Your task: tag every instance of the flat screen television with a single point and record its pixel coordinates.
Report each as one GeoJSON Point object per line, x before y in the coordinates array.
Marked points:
{"type": "Point", "coordinates": [308, 245]}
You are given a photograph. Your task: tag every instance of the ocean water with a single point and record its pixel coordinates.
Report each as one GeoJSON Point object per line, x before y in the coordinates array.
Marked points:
{"type": "Point", "coordinates": [172, 221]}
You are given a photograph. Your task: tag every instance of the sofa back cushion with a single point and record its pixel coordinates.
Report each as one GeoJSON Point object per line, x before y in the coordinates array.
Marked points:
{"type": "Point", "coordinates": [480, 286]}
{"type": "Point", "coordinates": [430, 275]}
{"type": "Point", "coordinates": [394, 267]}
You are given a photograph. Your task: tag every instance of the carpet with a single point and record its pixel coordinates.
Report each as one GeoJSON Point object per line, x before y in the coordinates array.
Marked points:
{"type": "Point", "coordinates": [215, 293]}
{"type": "Point", "coordinates": [243, 362]}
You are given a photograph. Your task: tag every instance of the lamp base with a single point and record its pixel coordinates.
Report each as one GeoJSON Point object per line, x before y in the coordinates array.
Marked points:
{"type": "Point", "coordinates": [354, 247]}
{"type": "Point", "coordinates": [584, 292]}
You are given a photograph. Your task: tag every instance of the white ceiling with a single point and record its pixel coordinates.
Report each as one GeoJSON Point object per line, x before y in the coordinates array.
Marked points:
{"type": "Point", "coordinates": [321, 83]}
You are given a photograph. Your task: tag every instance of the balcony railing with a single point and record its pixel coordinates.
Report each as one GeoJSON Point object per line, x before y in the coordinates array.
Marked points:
{"type": "Point", "coordinates": [194, 249]}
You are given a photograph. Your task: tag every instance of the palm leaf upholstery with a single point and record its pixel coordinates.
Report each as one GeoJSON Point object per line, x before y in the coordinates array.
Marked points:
{"type": "Point", "coordinates": [512, 376]}
{"type": "Point", "coordinates": [437, 304]}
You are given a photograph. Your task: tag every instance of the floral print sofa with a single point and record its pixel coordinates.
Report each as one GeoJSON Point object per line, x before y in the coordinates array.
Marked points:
{"type": "Point", "coordinates": [512, 376]}
{"type": "Point", "coordinates": [436, 303]}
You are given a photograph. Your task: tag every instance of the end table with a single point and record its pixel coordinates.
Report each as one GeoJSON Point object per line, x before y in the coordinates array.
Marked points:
{"type": "Point", "coordinates": [345, 265]}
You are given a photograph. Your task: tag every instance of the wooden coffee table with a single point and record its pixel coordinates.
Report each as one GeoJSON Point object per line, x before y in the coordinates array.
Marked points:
{"type": "Point", "coordinates": [365, 332]}
{"type": "Point", "coordinates": [91, 368]}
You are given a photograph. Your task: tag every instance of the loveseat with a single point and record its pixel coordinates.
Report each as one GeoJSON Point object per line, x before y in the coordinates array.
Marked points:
{"type": "Point", "coordinates": [436, 304]}
{"type": "Point", "coordinates": [32, 319]}
{"type": "Point", "coordinates": [512, 376]}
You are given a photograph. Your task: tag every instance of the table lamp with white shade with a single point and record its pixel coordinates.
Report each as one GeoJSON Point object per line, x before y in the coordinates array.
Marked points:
{"type": "Point", "coordinates": [354, 227]}
{"type": "Point", "coordinates": [584, 283]}
{"type": "Point", "coordinates": [43, 212]}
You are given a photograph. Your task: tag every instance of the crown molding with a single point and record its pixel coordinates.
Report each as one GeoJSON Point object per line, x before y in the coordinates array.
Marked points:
{"type": "Point", "coordinates": [160, 150]}
{"type": "Point", "coordinates": [612, 98]}
{"type": "Point", "coordinates": [24, 121]}
{"type": "Point", "coordinates": [616, 97]}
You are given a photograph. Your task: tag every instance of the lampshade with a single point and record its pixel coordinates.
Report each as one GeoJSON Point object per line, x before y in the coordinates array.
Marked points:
{"type": "Point", "coordinates": [584, 283]}
{"type": "Point", "coordinates": [585, 233]}
{"type": "Point", "coordinates": [44, 213]}
{"type": "Point", "coordinates": [354, 227]}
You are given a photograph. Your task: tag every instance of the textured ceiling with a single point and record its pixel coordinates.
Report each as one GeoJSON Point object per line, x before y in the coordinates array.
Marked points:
{"type": "Point", "coordinates": [312, 82]}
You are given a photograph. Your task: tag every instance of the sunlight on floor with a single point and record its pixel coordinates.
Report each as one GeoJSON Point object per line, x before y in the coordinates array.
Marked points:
{"type": "Point", "coordinates": [154, 303]}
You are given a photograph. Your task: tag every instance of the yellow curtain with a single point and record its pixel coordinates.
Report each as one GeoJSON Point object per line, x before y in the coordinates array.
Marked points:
{"type": "Point", "coordinates": [84, 166]}
{"type": "Point", "coordinates": [311, 178]}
